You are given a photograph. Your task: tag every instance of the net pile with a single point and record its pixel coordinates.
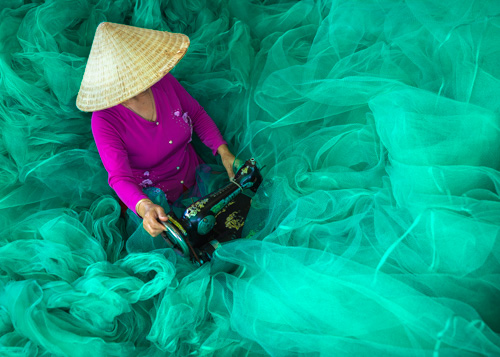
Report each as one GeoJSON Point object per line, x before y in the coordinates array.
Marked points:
{"type": "Point", "coordinates": [375, 233]}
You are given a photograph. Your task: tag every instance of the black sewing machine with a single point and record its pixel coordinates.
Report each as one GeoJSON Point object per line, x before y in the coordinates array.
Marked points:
{"type": "Point", "coordinates": [193, 234]}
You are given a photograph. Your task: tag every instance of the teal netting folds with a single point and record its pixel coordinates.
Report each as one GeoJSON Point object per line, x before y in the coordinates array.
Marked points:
{"type": "Point", "coordinates": [376, 231]}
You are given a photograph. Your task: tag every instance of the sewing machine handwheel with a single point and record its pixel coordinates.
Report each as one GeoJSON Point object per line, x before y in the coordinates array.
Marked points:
{"type": "Point", "coordinates": [174, 237]}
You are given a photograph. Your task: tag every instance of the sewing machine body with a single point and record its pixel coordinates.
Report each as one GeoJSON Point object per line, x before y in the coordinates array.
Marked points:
{"type": "Point", "coordinates": [190, 234]}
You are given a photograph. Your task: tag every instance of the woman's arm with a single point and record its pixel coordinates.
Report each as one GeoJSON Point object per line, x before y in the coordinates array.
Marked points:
{"type": "Point", "coordinates": [227, 159]}
{"type": "Point", "coordinates": [203, 125]}
{"type": "Point", "coordinates": [115, 159]}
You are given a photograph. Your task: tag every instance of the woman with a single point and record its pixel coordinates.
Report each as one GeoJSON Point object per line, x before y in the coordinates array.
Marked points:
{"type": "Point", "coordinates": [143, 119]}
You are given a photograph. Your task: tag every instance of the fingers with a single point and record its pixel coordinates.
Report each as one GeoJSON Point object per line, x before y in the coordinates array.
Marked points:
{"type": "Point", "coordinates": [228, 165]}
{"type": "Point", "coordinates": [152, 226]}
{"type": "Point", "coordinates": [230, 172]}
{"type": "Point", "coordinates": [161, 214]}
{"type": "Point", "coordinates": [151, 223]}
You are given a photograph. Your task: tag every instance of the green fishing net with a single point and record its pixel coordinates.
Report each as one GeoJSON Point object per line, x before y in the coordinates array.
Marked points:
{"type": "Point", "coordinates": [375, 232]}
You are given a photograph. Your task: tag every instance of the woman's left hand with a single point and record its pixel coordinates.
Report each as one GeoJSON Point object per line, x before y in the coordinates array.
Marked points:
{"type": "Point", "coordinates": [227, 159]}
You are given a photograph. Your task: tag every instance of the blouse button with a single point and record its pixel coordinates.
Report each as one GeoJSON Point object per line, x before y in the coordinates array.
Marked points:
{"type": "Point", "coordinates": [170, 142]}
{"type": "Point", "coordinates": [182, 181]}
{"type": "Point", "coordinates": [157, 123]}
{"type": "Point", "coordinates": [178, 168]}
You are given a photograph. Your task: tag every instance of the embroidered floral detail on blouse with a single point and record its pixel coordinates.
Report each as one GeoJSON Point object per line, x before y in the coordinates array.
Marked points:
{"type": "Point", "coordinates": [180, 114]}
{"type": "Point", "coordinates": [146, 183]}
{"type": "Point", "coordinates": [146, 173]}
{"type": "Point", "coordinates": [187, 120]}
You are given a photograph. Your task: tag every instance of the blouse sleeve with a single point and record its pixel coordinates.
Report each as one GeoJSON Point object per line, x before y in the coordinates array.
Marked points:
{"type": "Point", "coordinates": [203, 125]}
{"type": "Point", "coordinates": [115, 159]}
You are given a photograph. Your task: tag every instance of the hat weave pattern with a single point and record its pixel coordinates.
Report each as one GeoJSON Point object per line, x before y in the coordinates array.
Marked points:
{"type": "Point", "coordinates": [125, 61]}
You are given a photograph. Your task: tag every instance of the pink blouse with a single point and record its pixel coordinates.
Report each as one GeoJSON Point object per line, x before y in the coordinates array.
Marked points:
{"type": "Point", "coordinates": [137, 153]}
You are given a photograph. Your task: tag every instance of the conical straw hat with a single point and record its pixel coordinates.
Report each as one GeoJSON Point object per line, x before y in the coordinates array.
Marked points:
{"type": "Point", "coordinates": [125, 61]}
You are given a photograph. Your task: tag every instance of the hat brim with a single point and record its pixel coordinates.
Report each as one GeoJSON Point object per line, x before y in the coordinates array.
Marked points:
{"type": "Point", "coordinates": [125, 61]}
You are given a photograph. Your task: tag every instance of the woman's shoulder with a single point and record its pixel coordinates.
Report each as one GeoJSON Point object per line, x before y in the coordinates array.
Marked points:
{"type": "Point", "coordinates": [168, 82]}
{"type": "Point", "coordinates": [106, 118]}
{"type": "Point", "coordinates": [168, 78]}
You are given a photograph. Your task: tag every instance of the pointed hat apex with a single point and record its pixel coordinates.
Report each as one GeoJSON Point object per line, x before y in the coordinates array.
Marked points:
{"type": "Point", "coordinates": [125, 61]}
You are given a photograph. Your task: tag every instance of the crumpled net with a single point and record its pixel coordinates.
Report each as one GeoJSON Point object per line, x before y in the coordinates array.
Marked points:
{"type": "Point", "coordinates": [375, 232]}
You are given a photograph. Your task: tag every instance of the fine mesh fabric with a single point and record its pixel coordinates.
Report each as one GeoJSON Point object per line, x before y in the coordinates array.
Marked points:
{"type": "Point", "coordinates": [375, 232]}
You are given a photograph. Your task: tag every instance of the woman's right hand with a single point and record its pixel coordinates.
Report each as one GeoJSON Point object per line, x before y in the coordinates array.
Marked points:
{"type": "Point", "coordinates": [151, 214]}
